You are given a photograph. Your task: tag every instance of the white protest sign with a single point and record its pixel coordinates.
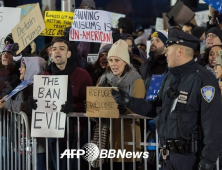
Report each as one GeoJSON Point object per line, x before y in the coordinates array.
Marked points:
{"type": "Point", "coordinates": [201, 17]}
{"type": "Point", "coordinates": [92, 58]}
{"type": "Point", "coordinates": [51, 93]}
{"type": "Point", "coordinates": [159, 24]}
{"type": "Point", "coordinates": [1, 4]}
{"type": "Point", "coordinates": [9, 18]}
{"type": "Point", "coordinates": [202, 2]}
{"type": "Point", "coordinates": [148, 44]}
{"type": "Point", "coordinates": [91, 26]}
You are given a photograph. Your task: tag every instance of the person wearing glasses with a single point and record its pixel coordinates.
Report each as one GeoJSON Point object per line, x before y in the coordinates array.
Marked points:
{"type": "Point", "coordinates": [210, 56]}
{"type": "Point", "coordinates": [9, 74]}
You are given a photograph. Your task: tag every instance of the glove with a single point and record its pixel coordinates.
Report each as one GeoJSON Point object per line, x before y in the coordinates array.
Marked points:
{"type": "Point", "coordinates": [122, 109]}
{"type": "Point", "coordinates": [121, 97]}
{"type": "Point", "coordinates": [67, 107]}
{"type": "Point", "coordinates": [115, 34]}
{"type": "Point", "coordinates": [205, 165]}
{"type": "Point", "coordinates": [15, 47]}
{"type": "Point", "coordinates": [32, 103]}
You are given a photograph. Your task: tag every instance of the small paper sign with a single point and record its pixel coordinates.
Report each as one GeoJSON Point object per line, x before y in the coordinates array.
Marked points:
{"type": "Point", "coordinates": [100, 102]}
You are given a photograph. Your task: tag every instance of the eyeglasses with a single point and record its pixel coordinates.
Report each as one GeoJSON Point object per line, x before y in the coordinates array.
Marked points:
{"type": "Point", "coordinates": [130, 46]}
{"type": "Point", "coordinates": [211, 36]}
{"type": "Point", "coordinates": [6, 54]}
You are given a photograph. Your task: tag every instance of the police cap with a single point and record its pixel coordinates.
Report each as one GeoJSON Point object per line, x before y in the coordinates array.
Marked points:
{"type": "Point", "coordinates": [177, 36]}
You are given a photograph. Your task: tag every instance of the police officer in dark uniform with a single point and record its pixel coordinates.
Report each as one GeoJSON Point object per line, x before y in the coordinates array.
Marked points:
{"type": "Point", "coordinates": [188, 108]}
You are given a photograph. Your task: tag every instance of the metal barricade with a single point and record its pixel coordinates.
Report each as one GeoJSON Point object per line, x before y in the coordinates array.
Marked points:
{"type": "Point", "coordinates": [15, 143]}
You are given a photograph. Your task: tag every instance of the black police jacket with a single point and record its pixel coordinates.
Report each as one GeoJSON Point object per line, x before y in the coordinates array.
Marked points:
{"type": "Point", "coordinates": [199, 104]}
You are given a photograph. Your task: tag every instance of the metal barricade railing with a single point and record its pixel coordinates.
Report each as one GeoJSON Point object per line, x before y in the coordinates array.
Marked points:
{"type": "Point", "coordinates": [15, 143]}
{"type": "Point", "coordinates": [16, 153]}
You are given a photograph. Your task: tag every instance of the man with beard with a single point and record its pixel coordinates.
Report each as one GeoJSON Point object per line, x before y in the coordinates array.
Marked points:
{"type": "Point", "coordinates": [156, 63]}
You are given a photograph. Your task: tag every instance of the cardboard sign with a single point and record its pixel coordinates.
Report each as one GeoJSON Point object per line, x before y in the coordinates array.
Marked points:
{"type": "Point", "coordinates": [91, 26]}
{"type": "Point", "coordinates": [20, 87]}
{"type": "Point", "coordinates": [6, 15]}
{"type": "Point", "coordinates": [201, 17]}
{"type": "Point", "coordinates": [92, 58]}
{"type": "Point", "coordinates": [26, 9]}
{"type": "Point", "coordinates": [51, 93]}
{"type": "Point", "coordinates": [181, 13]}
{"type": "Point", "coordinates": [154, 86]}
{"type": "Point", "coordinates": [115, 18]}
{"type": "Point", "coordinates": [28, 29]}
{"type": "Point", "coordinates": [100, 102]}
{"type": "Point", "coordinates": [56, 22]}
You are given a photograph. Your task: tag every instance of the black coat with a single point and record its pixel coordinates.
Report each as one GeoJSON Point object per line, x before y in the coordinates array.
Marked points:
{"type": "Point", "coordinates": [190, 78]}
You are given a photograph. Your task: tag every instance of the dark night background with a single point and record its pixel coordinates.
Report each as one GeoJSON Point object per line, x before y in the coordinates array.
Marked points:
{"type": "Point", "coordinates": [142, 12]}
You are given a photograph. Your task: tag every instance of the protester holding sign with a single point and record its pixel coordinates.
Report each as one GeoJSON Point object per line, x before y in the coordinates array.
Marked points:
{"type": "Point", "coordinates": [8, 72]}
{"type": "Point", "coordinates": [30, 66]}
{"type": "Point", "coordinates": [98, 68]}
{"type": "Point", "coordinates": [122, 74]}
{"type": "Point", "coordinates": [78, 80]}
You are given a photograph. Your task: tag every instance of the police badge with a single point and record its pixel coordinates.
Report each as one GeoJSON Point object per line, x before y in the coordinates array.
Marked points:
{"type": "Point", "coordinates": [208, 93]}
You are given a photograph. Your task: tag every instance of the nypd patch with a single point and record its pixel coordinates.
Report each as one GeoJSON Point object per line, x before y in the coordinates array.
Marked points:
{"type": "Point", "coordinates": [208, 93]}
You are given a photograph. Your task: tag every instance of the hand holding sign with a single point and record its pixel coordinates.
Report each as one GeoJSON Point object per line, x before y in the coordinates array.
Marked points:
{"type": "Point", "coordinates": [32, 102]}
{"type": "Point", "coordinates": [67, 107]}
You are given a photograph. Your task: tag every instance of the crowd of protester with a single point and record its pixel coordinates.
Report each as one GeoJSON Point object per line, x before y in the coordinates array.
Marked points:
{"type": "Point", "coordinates": [124, 64]}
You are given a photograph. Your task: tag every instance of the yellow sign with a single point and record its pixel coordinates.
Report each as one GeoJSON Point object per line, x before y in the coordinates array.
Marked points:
{"type": "Point", "coordinates": [56, 22]}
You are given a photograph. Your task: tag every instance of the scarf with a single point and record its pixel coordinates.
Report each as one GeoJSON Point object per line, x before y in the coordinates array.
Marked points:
{"type": "Point", "coordinates": [125, 82]}
{"type": "Point", "coordinates": [69, 69]}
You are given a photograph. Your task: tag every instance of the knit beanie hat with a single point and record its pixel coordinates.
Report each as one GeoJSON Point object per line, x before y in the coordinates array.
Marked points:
{"type": "Point", "coordinates": [105, 48]}
{"type": "Point", "coordinates": [161, 34]}
{"type": "Point", "coordinates": [198, 31]}
{"type": "Point", "coordinates": [9, 39]}
{"type": "Point", "coordinates": [120, 49]}
{"type": "Point", "coordinates": [89, 3]}
{"type": "Point", "coordinates": [140, 40]}
{"type": "Point", "coordinates": [217, 31]}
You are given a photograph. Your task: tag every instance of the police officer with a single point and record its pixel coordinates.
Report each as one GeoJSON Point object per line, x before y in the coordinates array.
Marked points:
{"type": "Point", "coordinates": [188, 108]}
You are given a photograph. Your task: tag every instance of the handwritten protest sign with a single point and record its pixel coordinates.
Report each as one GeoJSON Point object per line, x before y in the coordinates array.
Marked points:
{"type": "Point", "coordinates": [91, 26]}
{"type": "Point", "coordinates": [28, 29]}
{"type": "Point", "coordinates": [100, 102]}
{"type": "Point", "coordinates": [20, 87]}
{"type": "Point", "coordinates": [51, 93]}
{"type": "Point", "coordinates": [154, 86]}
{"type": "Point", "coordinates": [25, 9]}
{"type": "Point", "coordinates": [201, 17]}
{"type": "Point", "coordinates": [92, 58]}
{"type": "Point", "coordinates": [56, 22]}
{"type": "Point", "coordinates": [159, 24]}
{"type": "Point", "coordinates": [6, 15]}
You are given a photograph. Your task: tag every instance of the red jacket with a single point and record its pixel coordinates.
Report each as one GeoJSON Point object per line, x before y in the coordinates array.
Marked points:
{"type": "Point", "coordinates": [80, 79]}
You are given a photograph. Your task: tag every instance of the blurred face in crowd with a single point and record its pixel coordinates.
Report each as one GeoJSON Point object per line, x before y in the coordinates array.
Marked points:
{"type": "Point", "coordinates": [117, 65]}
{"type": "Point", "coordinates": [157, 47]}
{"type": "Point", "coordinates": [130, 44]}
{"type": "Point", "coordinates": [218, 70]}
{"type": "Point", "coordinates": [142, 47]}
{"type": "Point", "coordinates": [187, 29]}
{"type": "Point", "coordinates": [60, 54]}
{"type": "Point", "coordinates": [85, 7]}
{"type": "Point", "coordinates": [212, 39]}
{"type": "Point", "coordinates": [103, 59]}
{"type": "Point", "coordinates": [22, 70]}
{"type": "Point", "coordinates": [213, 55]}
{"type": "Point", "coordinates": [7, 58]}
